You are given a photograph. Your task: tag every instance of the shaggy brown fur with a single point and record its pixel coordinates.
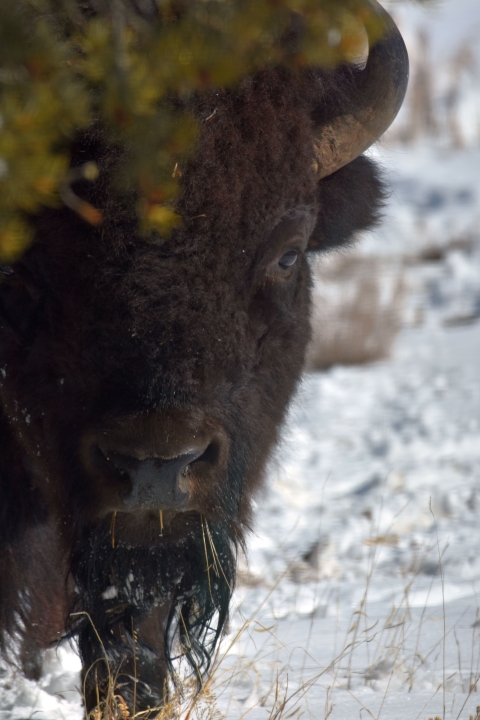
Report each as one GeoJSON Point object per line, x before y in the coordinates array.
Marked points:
{"type": "Point", "coordinates": [113, 344]}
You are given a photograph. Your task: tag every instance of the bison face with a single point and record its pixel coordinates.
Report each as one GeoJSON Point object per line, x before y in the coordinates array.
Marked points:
{"type": "Point", "coordinates": [143, 383]}
{"type": "Point", "coordinates": [216, 361]}
{"type": "Point", "coordinates": [144, 380]}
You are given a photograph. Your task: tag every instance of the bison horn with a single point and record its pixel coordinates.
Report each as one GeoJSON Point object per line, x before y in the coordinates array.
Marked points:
{"type": "Point", "coordinates": [377, 93]}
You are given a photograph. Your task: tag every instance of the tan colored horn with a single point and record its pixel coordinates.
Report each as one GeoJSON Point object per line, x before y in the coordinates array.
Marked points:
{"type": "Point", "coordinates": [378, 90]}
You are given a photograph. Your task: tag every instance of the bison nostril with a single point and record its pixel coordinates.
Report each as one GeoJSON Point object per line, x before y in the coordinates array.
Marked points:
{"type": "Point", "coordinates": [210, 455]}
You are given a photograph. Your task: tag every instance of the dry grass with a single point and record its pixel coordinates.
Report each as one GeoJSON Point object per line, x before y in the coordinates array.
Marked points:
{"type": "Point", "coordinates": [357, 311]}
{"type": "Point", "coordinates": [184, 703]}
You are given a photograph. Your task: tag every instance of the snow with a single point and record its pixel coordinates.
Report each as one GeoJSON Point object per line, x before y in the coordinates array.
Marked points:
{"type": "Point", "coordinates": [55, 696]}
{"type": "Point", "coordinates": [361, 586]}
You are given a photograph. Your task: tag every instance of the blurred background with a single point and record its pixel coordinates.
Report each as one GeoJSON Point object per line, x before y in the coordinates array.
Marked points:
{"type": "Point", "coordinates": [431, 160]}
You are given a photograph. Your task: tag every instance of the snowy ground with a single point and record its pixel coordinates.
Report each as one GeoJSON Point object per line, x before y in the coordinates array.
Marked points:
{"type": "Point", "coordinates": [361, 591]}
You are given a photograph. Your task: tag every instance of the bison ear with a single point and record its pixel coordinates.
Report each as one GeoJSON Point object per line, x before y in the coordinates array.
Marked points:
{"type": "Point", "coordinates": [19, 303]}
{"type": "Point", "coordinates": [349, 200]}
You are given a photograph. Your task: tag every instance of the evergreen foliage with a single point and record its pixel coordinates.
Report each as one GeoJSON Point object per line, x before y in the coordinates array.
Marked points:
{"type": "Point", "coordinates": [131, 66]}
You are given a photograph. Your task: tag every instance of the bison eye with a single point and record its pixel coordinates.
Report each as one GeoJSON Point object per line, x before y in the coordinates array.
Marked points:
{"type": "Point", "coordinates": [282, 267]}
{"type": "Point", "coordinates": [288, 259]}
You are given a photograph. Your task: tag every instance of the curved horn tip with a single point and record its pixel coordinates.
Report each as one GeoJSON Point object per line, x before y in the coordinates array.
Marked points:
{"type": "Point", "coordinates": [380, 88]}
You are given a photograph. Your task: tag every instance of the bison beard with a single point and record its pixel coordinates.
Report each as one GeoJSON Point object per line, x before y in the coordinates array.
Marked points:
{"type": "Point", "coordinates": [144, 381]}
{"type": "Point", "coordinates": [117, 587]}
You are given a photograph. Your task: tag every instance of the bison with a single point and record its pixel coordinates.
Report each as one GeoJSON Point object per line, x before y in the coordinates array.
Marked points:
{"type": "Point", "coordinates": [144, 381]}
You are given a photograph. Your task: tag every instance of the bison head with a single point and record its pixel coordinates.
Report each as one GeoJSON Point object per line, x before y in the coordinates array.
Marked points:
{"type": "Point", "coordinates": [144, 381]}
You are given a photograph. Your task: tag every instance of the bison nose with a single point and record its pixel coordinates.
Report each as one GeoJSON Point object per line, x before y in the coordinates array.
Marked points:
{"type": "Point", "coordinates": [156, 483]}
